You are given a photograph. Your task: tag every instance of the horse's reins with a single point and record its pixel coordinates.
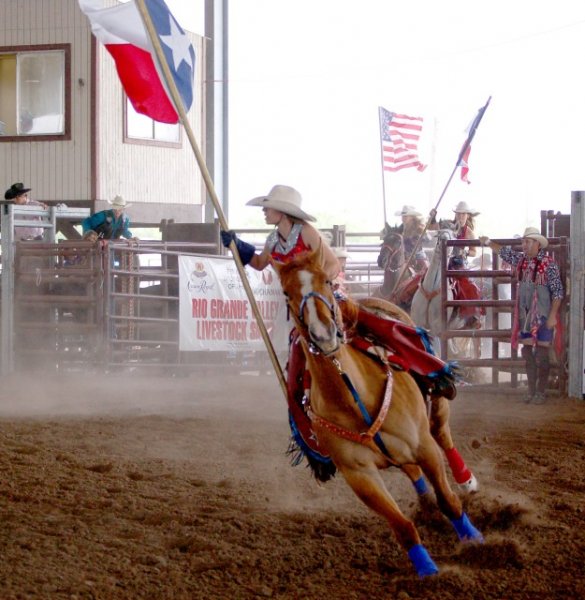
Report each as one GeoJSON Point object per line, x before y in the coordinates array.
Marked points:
{"type": "Point", "coordinates": [374, 425]}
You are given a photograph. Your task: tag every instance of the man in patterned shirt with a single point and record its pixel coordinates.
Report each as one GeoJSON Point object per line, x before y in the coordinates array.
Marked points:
{"type": "Point", "coordinates": [540, 293]}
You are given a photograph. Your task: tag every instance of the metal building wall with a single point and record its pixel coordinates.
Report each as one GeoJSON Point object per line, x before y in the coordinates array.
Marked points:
{"type": "Point", "coordinates": [58, 170]}
{"type": "Point", "coordinates": [160, 182]}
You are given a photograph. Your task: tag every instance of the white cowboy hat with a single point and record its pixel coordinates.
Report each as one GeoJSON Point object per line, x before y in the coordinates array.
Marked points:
{"type": "Point", "coordinates": [463, 207]}
{"type": "Point", "coordinates": [119, 202]}
{"type": "Point", "coordinates": [340, 252]}
{"type": "Point", "coordinates": [408, 211]}
{"type": "Point", "coordinates": [284, 199]}
{"type": "Point", "coordinates": [532, 233]}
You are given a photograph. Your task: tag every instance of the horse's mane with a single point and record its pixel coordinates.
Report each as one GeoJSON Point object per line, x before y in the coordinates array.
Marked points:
{"type": "Point", "coordinates": [305, 260]}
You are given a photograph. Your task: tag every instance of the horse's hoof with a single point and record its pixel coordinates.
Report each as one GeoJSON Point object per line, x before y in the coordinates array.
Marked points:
{"type": "Point", "coordinates": [422, 561]}
{"type": "Point", "coordinates": [470, 486]}
{"type": "Point", "coordinates": [466, 531]}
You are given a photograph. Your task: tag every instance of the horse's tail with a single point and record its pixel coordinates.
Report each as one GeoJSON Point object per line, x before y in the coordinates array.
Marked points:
{"type": "Point", "coordinates": [322, 467]}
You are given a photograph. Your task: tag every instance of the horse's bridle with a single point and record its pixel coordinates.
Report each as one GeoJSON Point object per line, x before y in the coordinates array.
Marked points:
{"type": "Point", "coordinates": [300, 319]}
{"type": "Point", "coordinates": [393, 252]}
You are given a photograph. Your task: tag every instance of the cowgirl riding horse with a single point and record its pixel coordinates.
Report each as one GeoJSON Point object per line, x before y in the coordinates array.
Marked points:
{"type": "Point", "coordinates": [292, 236]}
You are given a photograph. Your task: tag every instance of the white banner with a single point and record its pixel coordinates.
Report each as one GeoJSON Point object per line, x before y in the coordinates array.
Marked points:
{"type": "Point", "coordinates": [215, 313]}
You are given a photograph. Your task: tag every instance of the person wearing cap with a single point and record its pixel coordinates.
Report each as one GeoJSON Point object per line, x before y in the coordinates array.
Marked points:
{"type": "Point", "coordinates": [21, 197]}
{"type": "Point", "coordinates": [539, 298]}
{"type": "Point", "coordinates": [110, 224]}
{"type": "Point", "coordinates": [292, 233]}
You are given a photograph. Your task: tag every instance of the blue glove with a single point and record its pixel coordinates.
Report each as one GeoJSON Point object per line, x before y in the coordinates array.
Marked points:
{"type": "Point", "coordinates": [245, 250]}
{"type": "Point", "coordinates": [227, 237]}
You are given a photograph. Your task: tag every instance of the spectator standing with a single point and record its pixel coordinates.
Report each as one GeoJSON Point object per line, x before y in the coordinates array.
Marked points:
{"type": "Point", "coordinates": [21, 197]}
{"type": "Point", "coordinates": [539, 297]}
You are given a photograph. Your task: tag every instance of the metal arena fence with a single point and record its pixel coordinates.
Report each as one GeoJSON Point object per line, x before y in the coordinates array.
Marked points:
{"type": "Point", "coordinates": [115, 305]}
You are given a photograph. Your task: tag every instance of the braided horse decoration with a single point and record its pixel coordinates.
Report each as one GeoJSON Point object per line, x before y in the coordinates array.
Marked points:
{"type": "Point", "coordinates": [366, 415]}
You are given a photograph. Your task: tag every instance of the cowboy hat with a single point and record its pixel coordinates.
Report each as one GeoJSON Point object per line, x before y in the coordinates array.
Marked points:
{"type": "Point", "coordinates": [463, 207]}
{"type": "Point", "coordinates": [408, 211]}
{"type": "Point", "coordinates": [284, 199]}
{"type": "Point", "coordinates": [532, 233]}
{"type": "Point", "coordinates": [340, 252]}
{"type": "Point", "coordinates": [119, 202]}
{"type": "Point", "coordinates": [16, 189]}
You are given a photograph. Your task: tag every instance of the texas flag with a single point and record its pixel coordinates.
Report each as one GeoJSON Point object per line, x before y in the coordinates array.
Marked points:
{"type": "Point", "coordinates": [121, 30]}
{"type": "Point", "coordinates": [463, 160]}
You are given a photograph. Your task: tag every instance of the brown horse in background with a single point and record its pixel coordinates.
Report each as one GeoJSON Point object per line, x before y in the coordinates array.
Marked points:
{"type": "Point", "coordinates": [391, 260]}
{"type": "Point", "coordinates": [398, 287]}
{"type": "Point", "coordinates": [366, 415]}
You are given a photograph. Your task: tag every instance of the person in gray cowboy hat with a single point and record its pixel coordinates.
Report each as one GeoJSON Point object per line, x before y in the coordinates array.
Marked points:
{"type": "Point", "coordinates": [539, 298]}
{"type": "Point", "coordinates": [19, 194]}
{"type": "Point", "coordinates": [411, 229]}
{"type": "Point", "coordinates": [110, 224]}
{"type": "Point", "coordinates": [292, 232]}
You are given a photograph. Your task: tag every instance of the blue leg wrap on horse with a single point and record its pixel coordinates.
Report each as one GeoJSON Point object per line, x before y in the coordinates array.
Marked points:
{"type": "Point", "coordinates": [465, 530]}
{"type": "Point", "coordinates": [420, 485]}
{"type": "Point", "coordinates": [421, 560]}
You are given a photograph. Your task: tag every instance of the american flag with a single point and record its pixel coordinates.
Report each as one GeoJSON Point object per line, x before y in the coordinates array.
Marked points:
{"type": "Point", "coordinates": [399, 135]}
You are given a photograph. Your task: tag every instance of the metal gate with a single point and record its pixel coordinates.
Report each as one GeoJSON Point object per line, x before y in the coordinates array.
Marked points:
{"type": "Point", "coordinates": [115, 306]}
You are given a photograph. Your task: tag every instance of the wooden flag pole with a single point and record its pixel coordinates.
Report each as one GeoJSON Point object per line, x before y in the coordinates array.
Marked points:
{"type": "Point", "coordinates": [462, 152]}
{"type": "Point", "coordinates": [178, 102]}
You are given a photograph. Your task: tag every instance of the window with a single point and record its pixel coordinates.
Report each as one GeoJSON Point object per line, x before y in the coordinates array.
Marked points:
{"type": "Point", "coordinates": [142, 129]}
{"type": "Point", "coordinates": [34, 88]}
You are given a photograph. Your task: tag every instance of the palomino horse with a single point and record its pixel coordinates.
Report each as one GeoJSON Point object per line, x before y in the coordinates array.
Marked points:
{"type": "Point", "coordinates": [366, 415]}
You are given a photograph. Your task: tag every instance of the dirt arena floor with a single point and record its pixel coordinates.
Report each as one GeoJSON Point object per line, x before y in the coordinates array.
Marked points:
{"type": "Point", "coordinates": [133, 487]}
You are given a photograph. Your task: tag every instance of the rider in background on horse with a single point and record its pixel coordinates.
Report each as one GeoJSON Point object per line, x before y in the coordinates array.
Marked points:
{"type": "Point", "coordinates": [412, 228]}
{"type": "Point", "coordinates": [540, 294]}
{"type": "Point", "coordinates": [463, 288]}
{"type": "Point", "coordinates": [403, 272]}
